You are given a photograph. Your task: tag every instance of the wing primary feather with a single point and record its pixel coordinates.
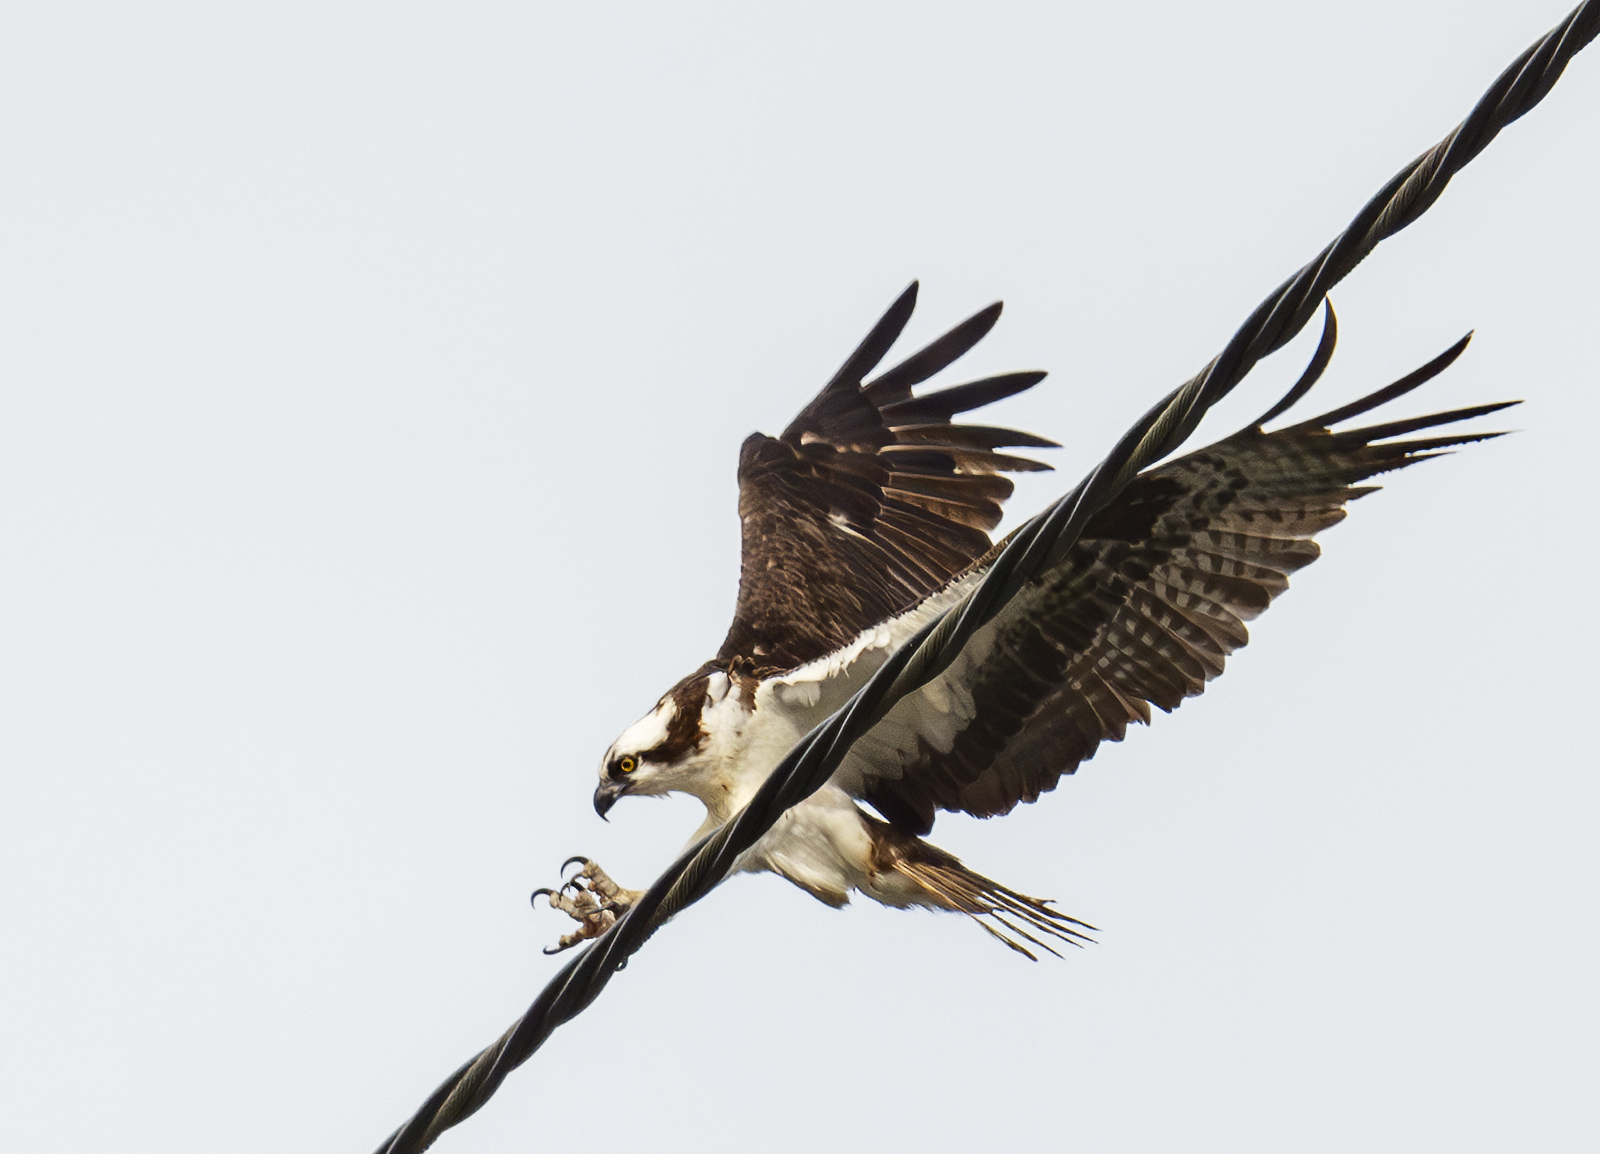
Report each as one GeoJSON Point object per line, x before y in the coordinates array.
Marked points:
{"type": "Point", "coordinates": [1425, 447]}
{"type": "Point", "coordinates": [944, 460]}
{"type": "Point", "coordinates": [877, 343]}
{"type": "Point", "coordinates": [1388, 393]}
{"type": "Point", "coordinates": [1412, 424]}
{"type": "Point", "coordinates": [1314, 370]}
{"type": "Point", "coordinates": [946, 403]}
{"type": "Point", "coordinates": [972, 436]}
{"type": "Point", "coordinates": [895, 384]}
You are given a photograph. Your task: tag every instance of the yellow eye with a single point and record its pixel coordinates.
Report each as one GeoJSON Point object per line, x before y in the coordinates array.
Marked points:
{"type": "Point", "coordinates": [627, 764]}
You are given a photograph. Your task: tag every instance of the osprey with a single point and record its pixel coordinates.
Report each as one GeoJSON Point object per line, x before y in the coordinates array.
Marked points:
{"type": "Point", "coordinates": [868, 518]}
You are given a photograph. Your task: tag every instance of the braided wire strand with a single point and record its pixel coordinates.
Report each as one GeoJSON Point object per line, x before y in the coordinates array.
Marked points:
{"type": "Point", "coordinates": [1035, 547]}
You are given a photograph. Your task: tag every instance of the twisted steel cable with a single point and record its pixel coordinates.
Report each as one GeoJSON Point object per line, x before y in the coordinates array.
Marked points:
{"type": "Point", "coordinates": [1034, 548]}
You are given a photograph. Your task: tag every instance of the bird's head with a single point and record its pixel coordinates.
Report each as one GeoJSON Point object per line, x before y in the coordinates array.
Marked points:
{"type": "Point", "coordinates": [665, 750]}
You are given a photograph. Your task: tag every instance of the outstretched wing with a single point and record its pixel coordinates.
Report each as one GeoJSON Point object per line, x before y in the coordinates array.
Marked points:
{"type": "Point", "coordinates": [1142, 611]}
{"type": "Point", "coordinates": [871, 499]}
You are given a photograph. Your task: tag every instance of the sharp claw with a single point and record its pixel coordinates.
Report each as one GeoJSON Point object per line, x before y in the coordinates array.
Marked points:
{"type": "Point", "coordinates": [590, 898]}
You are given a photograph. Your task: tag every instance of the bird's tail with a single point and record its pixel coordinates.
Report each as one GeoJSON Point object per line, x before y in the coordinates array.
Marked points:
{"type": "Point", "coordinates": [953, 886]}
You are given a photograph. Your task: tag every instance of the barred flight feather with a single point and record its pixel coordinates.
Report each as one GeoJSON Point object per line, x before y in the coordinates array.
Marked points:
{"type": "Point", "coordinates": [1143, 611]}
{"type": "Point", "coordinates": [871, 500]}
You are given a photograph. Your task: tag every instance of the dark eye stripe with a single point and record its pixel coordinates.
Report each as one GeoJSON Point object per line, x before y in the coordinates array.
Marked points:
{"type": "Point", "coordinates": [684, 731]}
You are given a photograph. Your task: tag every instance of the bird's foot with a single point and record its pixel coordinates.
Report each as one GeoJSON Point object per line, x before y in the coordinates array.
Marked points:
{"type": "Point", "coordinates": [590, 898]}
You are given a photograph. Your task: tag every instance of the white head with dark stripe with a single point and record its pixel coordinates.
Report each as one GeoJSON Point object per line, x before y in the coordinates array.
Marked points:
{"type": "Point", "coordinates": [666, 750]}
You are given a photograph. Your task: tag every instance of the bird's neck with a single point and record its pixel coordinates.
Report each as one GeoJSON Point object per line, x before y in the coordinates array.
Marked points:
{"type": "Point", "coordinates": [723, 794]}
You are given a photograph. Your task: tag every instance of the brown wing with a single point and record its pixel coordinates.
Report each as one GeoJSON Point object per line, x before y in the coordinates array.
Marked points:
{"type": "Point", "coordinates": [1142, 611]}
{"type": "Point", "coordinates": [871, 499]}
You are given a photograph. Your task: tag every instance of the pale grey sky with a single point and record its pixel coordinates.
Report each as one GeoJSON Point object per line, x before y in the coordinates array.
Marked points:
{"type": "Point", "coordinates": [373, 381]}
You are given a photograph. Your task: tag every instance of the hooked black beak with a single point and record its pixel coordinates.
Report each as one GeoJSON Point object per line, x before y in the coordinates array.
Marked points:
{"type": "Point", "coordinates": [605, 796]}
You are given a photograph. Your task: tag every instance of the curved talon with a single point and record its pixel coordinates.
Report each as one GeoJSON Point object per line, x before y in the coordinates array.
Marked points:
{"type": "Point", "coordinates": [590, 898]}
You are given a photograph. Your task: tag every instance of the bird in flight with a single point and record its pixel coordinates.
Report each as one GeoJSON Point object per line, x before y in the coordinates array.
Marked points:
{"type": "Point", "coordinates": [869, 517]}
